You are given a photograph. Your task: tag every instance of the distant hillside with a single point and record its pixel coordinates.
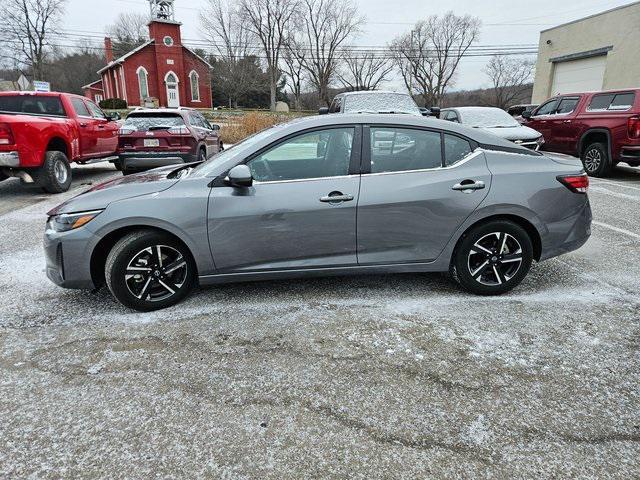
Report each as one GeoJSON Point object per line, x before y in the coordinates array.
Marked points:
{"type": "Point", "coordinates": [483, 97]}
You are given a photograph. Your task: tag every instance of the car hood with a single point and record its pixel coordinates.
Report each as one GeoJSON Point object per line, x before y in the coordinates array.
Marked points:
{"type": "Point", "coordinates": [519, 132]}
{"type": "Point", "coordinates": [121, 188]}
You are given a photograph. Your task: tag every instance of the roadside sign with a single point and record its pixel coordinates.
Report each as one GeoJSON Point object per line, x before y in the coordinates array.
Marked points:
{"type": "Point", "coordinates": [41, 86]}
{"type": "Point", "coordinates": [23, 83]}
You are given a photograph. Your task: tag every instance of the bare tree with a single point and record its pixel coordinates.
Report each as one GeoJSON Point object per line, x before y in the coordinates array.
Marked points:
{"type": "Point", "coordinates": [128, 32]}
{"type": "Point", "coordinates": [429, 55]}
{"type": "Point", "coordinates": [510, 77]}
{"type": "Point", "coordinates": [27, 26]}
{"type": "Point", "coordinates": [268, 21]}
{"type": "Point", "coordinates": [364, 71]}
{"type": "Point", "coordinates": [327, 25]}
{"type": "Point", "coordinates": [222, 24]}
{"type": "Point", "coordinates": [293, 61]}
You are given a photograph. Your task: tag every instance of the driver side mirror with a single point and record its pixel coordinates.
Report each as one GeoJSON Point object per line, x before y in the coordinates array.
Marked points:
{"type": "Point", "coordinates": [113, 117]}
{"type": "Point", "coordinates": [527, 114]}
{"type": "Point", "coordinates": [239, 176]}
{"type": "Point", "coordinates": [323, 110]}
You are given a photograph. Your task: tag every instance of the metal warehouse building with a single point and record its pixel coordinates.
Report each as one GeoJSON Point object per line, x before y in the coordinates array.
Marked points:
{"type": "Point", "coordinates": [594, 53]}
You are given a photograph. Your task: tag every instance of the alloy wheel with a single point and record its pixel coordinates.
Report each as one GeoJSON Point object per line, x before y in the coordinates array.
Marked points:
{"type": "Point", "coordinates": [156, 273]}
{"type": "Point", "coordinates": [592, 160]}
{"type": "Point", "coordinates": [495, 259]}
{"type": "Point", "coordinates": [60, 172]}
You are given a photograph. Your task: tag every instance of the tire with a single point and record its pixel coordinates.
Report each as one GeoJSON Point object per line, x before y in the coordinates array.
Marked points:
{"type": "Point", "coordinates": [118, 165]}
{"type": "Point", "coordinates": [55, 174]}
{"type": "Point", "coordinates": [202, 155]}
{"type": "Point", "coordinates": [596, 161]}
{"type": "Point", "coordinates": [3, 176]}
{"type": "Point", "coordinates": [479, 265]}
{"type": "Point", "coordinates": [152, 284]}
{"type": "Point", "coordinates": [221, 146]}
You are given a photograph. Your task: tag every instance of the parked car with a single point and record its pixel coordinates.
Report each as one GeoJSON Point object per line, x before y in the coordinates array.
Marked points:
{"type": "Point", "coordinates": [42, 133]}
{"type": "Point", "coordinates": [516, 111]}
{"type": "Point", "coordinates": [377, 101]}
{"type": "Point", "coordinates": [497, 122]}
{"type": "Point", "coordinates": [423, 195]}
{"type": "Point", "coordinates": [151, 138]}
{"type": "Point", "coordinates": [602, 128]}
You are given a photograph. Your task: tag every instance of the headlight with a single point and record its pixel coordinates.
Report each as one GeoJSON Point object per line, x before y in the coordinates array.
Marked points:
{"type": "Point", "coordinates": [70, 221]}
{"type": "Point", "coordinates": [540, 140]}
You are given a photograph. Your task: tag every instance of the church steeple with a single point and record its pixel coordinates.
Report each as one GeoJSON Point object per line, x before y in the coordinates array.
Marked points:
{"type": "Point", "coordinates": [162, 10]}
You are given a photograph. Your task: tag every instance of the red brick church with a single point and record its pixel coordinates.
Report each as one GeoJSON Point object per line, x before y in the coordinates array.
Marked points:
{"type": "Point", "coordinates": [160, 71]}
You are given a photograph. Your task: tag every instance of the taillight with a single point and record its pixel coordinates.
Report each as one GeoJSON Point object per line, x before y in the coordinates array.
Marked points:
{"type": "Point", "coordinates": [6, 134]}
{"type": "Point", "coordinates": [126, 130]}
{"type": "Point", "coordinates": [179, 131]}
{"type": "Point", "coordinates": [633, 127]}
{"type": "Point", "coordinates": [575, 183]}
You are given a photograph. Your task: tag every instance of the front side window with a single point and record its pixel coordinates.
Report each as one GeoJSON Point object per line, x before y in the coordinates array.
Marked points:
{"type": "Point", "coordinates": [195, 86]}
{"type": "Point", "coordinates": [403, 149]}
{"type": "Point", "coordinates": [548, 108]}
{"type": "Point", "coordinates": [318, 154]}
{"type": "Point", "coordinates": [95, 111]}
{"type": "Point", "coordinates": [79, 107]}
{"type": "Point", "coordinates": [143, 83]}
{"type": "Point", "coordinates": [456, 149]}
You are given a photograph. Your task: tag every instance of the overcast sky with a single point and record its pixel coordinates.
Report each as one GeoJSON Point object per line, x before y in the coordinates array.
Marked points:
{"type": "Point", "coordinates": [504, 21]}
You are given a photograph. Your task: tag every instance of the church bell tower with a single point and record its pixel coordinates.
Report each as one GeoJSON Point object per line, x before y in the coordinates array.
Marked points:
{"type": "Point", "coordinates": [162, 10]}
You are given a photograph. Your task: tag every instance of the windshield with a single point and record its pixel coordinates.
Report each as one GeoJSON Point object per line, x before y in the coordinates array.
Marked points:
{"type": "Point", "coordinates": [487, 118]}
{"type": "Point", "coordinates": [143, 122]}
{"type": "Point", "coordinates": [381, 102]}
{"type": "Point", "coordinates": [32, 105]}
{"type": "Point", "coordinates": [207, 167]}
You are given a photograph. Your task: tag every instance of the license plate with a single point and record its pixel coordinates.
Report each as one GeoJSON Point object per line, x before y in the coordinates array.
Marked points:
{"type": "Point", "coordinates": [151, 142]}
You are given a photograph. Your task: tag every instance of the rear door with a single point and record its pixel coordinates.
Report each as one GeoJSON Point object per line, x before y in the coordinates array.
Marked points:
{"type": "Point", "coordinates": [300, 212]}
{"type": "Point", "coordinates": [88, 128]}
{"type": "Point", "coordinates": [412, 196]}
{"type": "Point", "coordinates": [205, 132]}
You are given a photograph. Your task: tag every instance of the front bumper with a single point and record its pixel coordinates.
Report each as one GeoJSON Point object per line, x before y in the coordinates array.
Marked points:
{"type": "Point", "coordinates": [68, 257]}
{"type": "Point", "coordinates": [9, 159]}
{"type": "Point", "coordinates": [141, 161]}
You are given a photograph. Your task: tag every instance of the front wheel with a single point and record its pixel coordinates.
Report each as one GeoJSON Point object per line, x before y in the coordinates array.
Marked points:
{"type": "Point", "coordinates": [3, 176]}
{"type": "Point", "coordinates": [55, 174]}
{"type": "Point", "coordinates": [148, 270]}
{"type": "Point", "coordinates": [493, 258]}
{"type": "Point", "coordinates": [596, 161]}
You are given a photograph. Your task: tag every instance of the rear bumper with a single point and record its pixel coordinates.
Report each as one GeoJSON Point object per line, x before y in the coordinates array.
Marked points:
{"type": "Point", "coordinates": [9, 159]}
{"type": "Point", "coordinates": [140, 161]}
{"type": "Point", "coordinates": [630, 154]}
{"type": "Point", "coordinates": [569, 234]}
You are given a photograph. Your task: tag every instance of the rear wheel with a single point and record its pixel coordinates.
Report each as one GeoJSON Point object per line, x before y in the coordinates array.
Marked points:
{"type": "Point", "coordinates": [202, 155]}
{"type": "Point", "coordinates": [148, 270]}
{"type": "Point", "coordinates": [493, 258]}
{"type": "Point", "coordinates": [55, 174]}
{"type": "Point", "coordinates": [596, 161]}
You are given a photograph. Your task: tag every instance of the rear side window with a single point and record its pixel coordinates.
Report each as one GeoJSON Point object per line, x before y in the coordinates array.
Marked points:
{"type": "Point", "coordinates": [143, 122]}
{"type": "Point", "coordinates": [32, 105]}
{"type": "Point", "coordinates": [567, 105]}
{"type": "Point", "coordinates": [456, 149]}
{"type": "Point", "coordinates": [79, 107]}
{"type": "Point", "coordinates": [610, 101]}
{"type": "Point", "coordinates": [402, 149]}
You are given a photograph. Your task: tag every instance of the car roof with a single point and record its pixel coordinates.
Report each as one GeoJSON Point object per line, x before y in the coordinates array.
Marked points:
{"type": "Point", "coordinates": [596, 92]}
{"type": "Point", "coordinates": [372, 92]}
{"type": "Point", "coordinates": [178, 111]}
{"type": "Point", "coordinates": [401, 120]}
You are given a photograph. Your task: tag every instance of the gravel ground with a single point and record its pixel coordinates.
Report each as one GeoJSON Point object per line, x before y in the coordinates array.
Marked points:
{"type": "Point", "coordinates": [400, 376]}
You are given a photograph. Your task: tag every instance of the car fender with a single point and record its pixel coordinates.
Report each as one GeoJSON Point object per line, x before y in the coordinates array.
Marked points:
{"type": "Point", "coordinates": [486, 212]}
{"type": "Point", "coordinates": [605, 131]}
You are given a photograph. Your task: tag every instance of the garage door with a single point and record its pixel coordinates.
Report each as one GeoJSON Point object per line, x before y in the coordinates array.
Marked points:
{"type": "Point", "coordinates": [579, 75]}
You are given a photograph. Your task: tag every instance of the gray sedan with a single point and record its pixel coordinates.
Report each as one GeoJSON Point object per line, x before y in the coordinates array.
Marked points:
{"type": "Point", "coordinates": [329, 195]}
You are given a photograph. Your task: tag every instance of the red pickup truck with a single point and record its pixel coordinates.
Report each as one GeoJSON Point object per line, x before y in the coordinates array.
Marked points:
{"type": "Point", "coordinates": [42, 133]}
{"type": "Point", "coordinates": [602, 128]}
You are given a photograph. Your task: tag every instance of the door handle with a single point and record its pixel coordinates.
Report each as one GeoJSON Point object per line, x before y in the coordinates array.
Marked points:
{"type": "Point", "coordinates": [567, 121]}
{"type": "Point", "coordinates": [467, 186]}
{"type": "Point", "coordinates": [83, 125]}
{"type": "Point", "coordinates": [336, 197]}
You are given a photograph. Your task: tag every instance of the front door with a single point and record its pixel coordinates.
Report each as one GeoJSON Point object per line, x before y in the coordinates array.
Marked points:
{"type": "Point", "coordinates": [413, 199]}
{"type": "Point", "coordinates": [300, 212]}
{"type": "Point", "coordinates": [106, 130]}
{"type": "Point", "coordinates": [542, 121]}
{"type": "Point", "coordinates": [564, 129]}
{"type": "Point", "coordinates": [173, 95]}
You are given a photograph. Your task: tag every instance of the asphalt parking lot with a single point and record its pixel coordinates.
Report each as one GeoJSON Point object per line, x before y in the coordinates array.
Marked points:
{"type": "Point", "coordinates": [399, 376]}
